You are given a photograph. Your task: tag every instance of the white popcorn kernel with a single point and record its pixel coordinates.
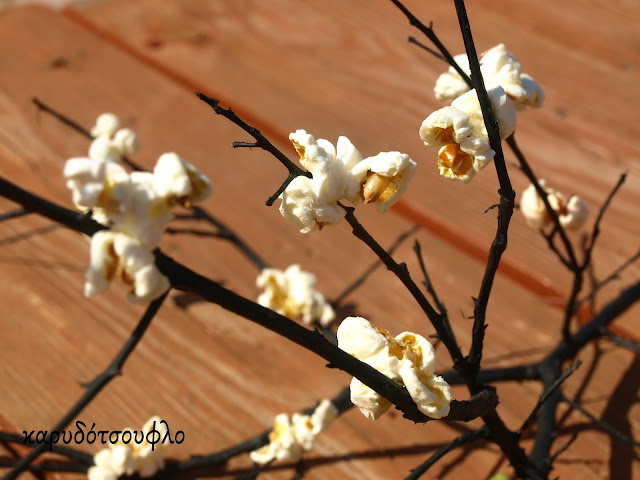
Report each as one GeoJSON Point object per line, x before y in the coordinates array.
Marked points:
{"type": "Point", "coordinates": [408, 359]}
{"type": "Point", "coordinates": [148, 213]}
{"type": "Point", "coordinates": [576, 214]}
{"type": "Point", "coordinates": [106, 125]}
{"type": "Point", "coordinates": [115, 254]}
{"type": "Point", "coordinates": [97, 184]}
{"type": "Point", "coordinates": [571, 215]}
{"type": "Point", "coordinates": [179, 181]}
{"type": "Point", "coordinates": [292, 293]}
{"type": "Point", "coordinates": [148, 457]}
{"type": "Point", "coordinates": [499, 67]}
{"type": "Point", "coordinates": [103, 149]}
{"type": "Point", "coordinates": [385, 177]}
{"type": "Point", "coordinates": [460, 133]}
{"type": "Point", "coordinates": [290, 438]}
{"type": "Point", "coordinates": [126, 142]}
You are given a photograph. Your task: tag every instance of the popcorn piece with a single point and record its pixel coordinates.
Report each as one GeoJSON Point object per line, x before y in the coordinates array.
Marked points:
{"type": "Point", "coordinates": [147, 214]}
{"type": "Point", "coordinates": [292, 293]}
{"type": "Point", "coordinates": [180, 181]}
{"type": "Point", "coordinates": [97, 184]}
{"type": "Point", "coordinates": [103, 149]}
{"type": "Point", "coordinates": [499, 67]}
{"type": "Point", "coordinates": [142, 458]}
{"type": "Point", "coordinates": [290, 438]}
{"type": "Point", "coordinates": [116, 254]}
{"type": "Point", "coordinates": [310, 203]}
{"type": "Point", "coordinates": [126, 141]}
{"type": "Point", "coordinates": [460, 133]}
{"type": "Point", "coordinates": [106, 125]}
{"type": "Point", "coordinates": [408, 359]}
{"type": "Point", "coordinates": [385, 178]}
{"type": "Point", "coordinates": [571, 215]}
{"type": "Point", "coordinates": [341, 173]}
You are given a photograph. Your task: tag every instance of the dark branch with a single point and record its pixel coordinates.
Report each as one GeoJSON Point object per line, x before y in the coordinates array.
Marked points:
{"type": "Point", "coordinates": [623, 342]}
{"type": "Point", "coordinates": [600, 423]}
{"type": "Point", "coordinates": [428, 49]}
{"type": "Point", "coordinates": [441, 452]}
{"type": "Point", "coordinates": [545, 396]}
{"type": "Point", "coordinates": [184, 279]}
{"type": "Point", "coordinates": [76, 455]}
{"type": "Point", "coordinates": [114, 369]}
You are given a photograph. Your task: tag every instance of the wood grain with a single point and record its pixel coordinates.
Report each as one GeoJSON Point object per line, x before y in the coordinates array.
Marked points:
{"type": "Point", "coordinates": [217, 377]}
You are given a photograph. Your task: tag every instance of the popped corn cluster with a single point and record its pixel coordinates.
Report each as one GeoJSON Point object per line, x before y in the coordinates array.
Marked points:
{"type": "Point", "coordinates": [340, 173]}
{"type": "Point", "coordinates": [291, 437]}
{"type": "Point", "coordinates": [292, 293]}
{"type": "Point", "coordinates": [460, 133]}
{"type": "Point", "coordinates": [135, 206]}
{"type": "Point", "coordinates": [142, 458]}
{"type": "Point", "coordinates": [408, 359]}
{"type": "Point", "coordinates": [458, 130]}
{"type": "Point", "coordinates": [499, 67]}
{"type": "Point", "coordinates": [572, 214]}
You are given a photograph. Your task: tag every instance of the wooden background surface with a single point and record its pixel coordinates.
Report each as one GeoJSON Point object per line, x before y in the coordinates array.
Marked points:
{"type": "Point", "coordinates": [333, 68]}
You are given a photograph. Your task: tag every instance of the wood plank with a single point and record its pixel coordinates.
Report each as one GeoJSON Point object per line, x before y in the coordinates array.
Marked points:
{"type": "Point", "coordinates": [304, 63]}
{"type": "Point", "coordinates": [188, 368]}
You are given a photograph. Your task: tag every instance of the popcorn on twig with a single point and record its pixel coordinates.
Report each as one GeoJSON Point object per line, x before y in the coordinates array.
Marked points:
{"type": "Point", "coordinates": [340, 173]}
{"type": "Point", "coordinates": [499, 67]}
{"type": "Point", "coordinates": [137, 207]}
{"type": "Point", "coordinates": [290, 438]}
{"type": "Point", "coordinates": [572, 214]}
{"type": "Point", "coordinates": [408, 359]}
{"type": "Point", "coordinates": [134, 457]}
{"type": "Point", "coordinates": [460, 132]}
{"type": "Point", "coordinates": [292, 293]}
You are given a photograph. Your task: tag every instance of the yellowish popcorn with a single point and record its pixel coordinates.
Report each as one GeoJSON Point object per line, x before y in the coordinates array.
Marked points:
{"type": "Point", "coordinates": [310, 203]}
{"type": "Point", "coordinates": [572, 214]}
{"type": "Point", "coordinates": [179, 181]}
{"type": "Point", "coordinates": [107, 124]}
{"type": "Point", "coordinates": [133, 457]}
{"type": "Point", "coordinates": [126, 141]}
{"type": "Point", "coordinates": [460, 133]}
{"type": "Point", "coordinates": [499, 67]}
{"type": "Point", "coordinates": [292, 293]}
{"type": "Point", "coordinates": [408, 359]}
{"type": "Point", "coordinates": [117, 255]}
{"type": "Point", "coordinates": [290, 438]}
{"type": "Point", "coordinates": [95, 184]}
{"type": "Point", "coordinates": [384, 178]}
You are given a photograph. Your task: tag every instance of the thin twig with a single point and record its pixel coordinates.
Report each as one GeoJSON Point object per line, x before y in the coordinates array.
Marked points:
{"type": "Point", "coordinates": [563, 448]}
{"type": "Point", "coordinates": [623, 342]}
{"type": "Point", "coordinates": [261, 142]}
{"type": "Point", "coordinates": [77, 455]}
{"type": "Point", "coordinates": [361, 278]}
{"type": "Point", "coordinates": [600, 423]}
{"type": "Point", "coordinates": [545, 396]}
{"type": "Point", "coordinates": [114, 369]}
{"type": "Point", "coordinates": [193, 231]}
{"type": "Point", "coordinates": [428, 49]}
{"type": "Point", "coordinates": [198, 212]}
{"type": "Point", "coordinates": [14, 214]}
{"type": "Point", "coordinates": [441, 452]}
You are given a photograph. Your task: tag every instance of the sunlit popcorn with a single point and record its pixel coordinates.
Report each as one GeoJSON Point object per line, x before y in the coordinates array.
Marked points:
{"type": "Point", "coordinates": [179, 181]}
{"type": "Point", "coordinates": [310, 203]}
{"type": "Point", "coordinates": [571, 214]}
{"type": "Point", "coordinates": [106, 125]}
{"type": "Point", "coordinates": [408, 359]}
{"type": "Point", "coordinates": [340, 173]}
{"type": "Point", "coordinates": [115, 254]}
{"type": "Point", "coordinates": [289, 438]}
{"type": "Point", "coordinates": [460, 133]}
{"type": "Point", "coordinates": [110, 142]}
{"type": "Point", "coordinates": [147, 214]}
{"type": "Point", "coordinates": [384, 178]}
{"type": "Point", "coordinates": [292, 293]}
{"type": "Point", "coordinates": [498, 67]}
{"type": "Point", "coordinates": [126, 141]}
{"type": "Point", "coordinates": [97, 184]}
{"type": "Point", "coordinates": [132, 457]}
